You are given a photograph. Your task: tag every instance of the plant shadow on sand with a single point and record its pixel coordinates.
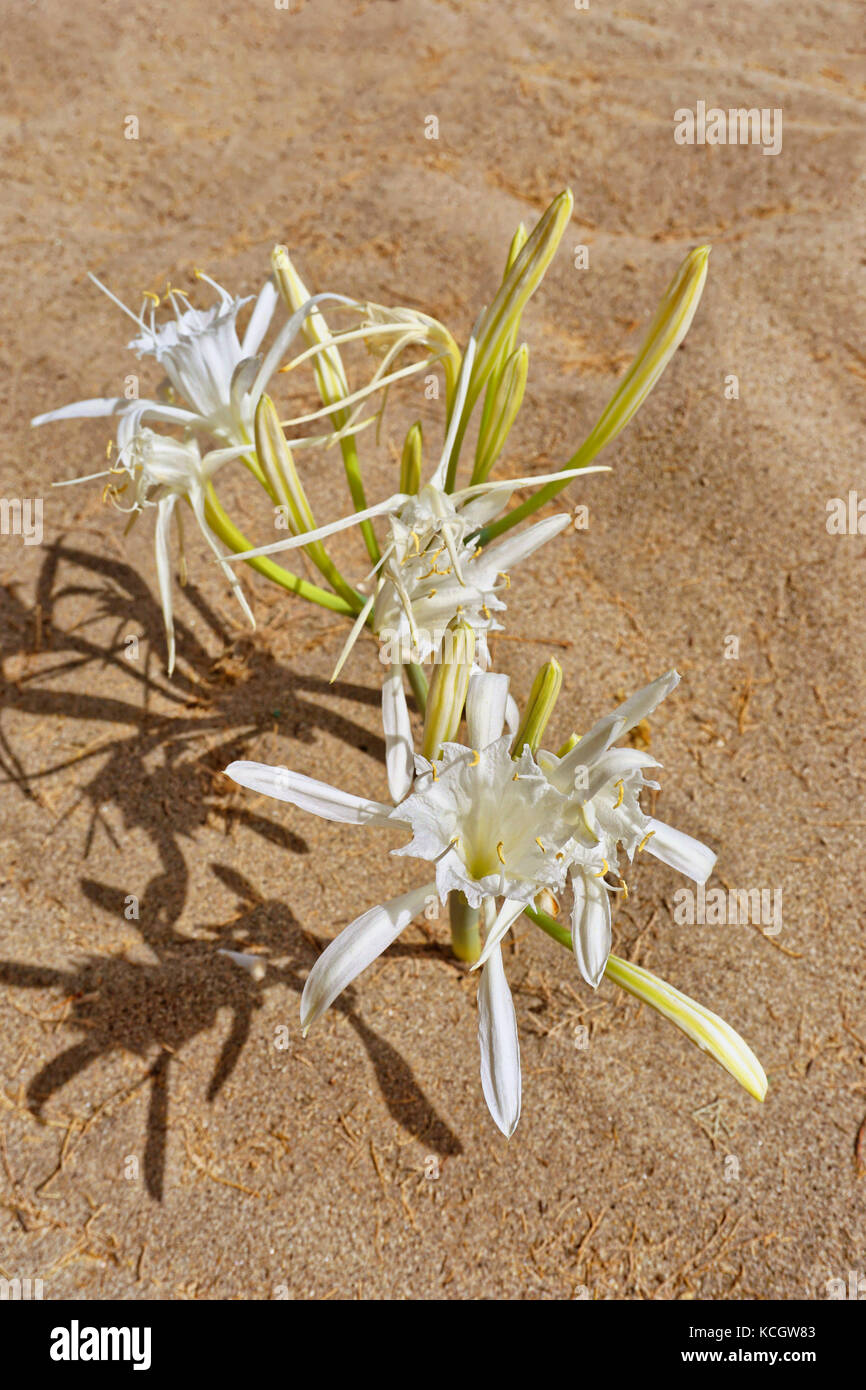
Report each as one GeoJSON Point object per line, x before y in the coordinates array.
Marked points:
{"type": "Point", "coordinates": [161, 779]}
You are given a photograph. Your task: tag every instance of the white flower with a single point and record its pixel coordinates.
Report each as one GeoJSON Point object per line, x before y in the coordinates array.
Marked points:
{"type": "Point", "coordinates": [474, 817]}
{"type": "Point", "coordinates": [214, 379]}
{"type": "Point", "coordinates": [603, 786]}
{"type": "Point", "coordinates": [162, 471]}
{"type": "Point", "coordinates": [432, 571]}
{"type": "Point", "coordinates": [501, 827]}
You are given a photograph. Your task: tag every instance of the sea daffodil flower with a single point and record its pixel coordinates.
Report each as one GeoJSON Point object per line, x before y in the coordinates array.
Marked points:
{"type": "Point", "coordinates": [500, 830]}
{"type": "Point", "coordinates": [214, 378]}
{"type": "Point", "coordinates": [432, 572]}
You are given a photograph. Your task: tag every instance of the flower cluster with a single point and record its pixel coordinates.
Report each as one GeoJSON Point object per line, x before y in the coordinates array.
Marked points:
{"type": "Point", "coordinates": [507, 828]}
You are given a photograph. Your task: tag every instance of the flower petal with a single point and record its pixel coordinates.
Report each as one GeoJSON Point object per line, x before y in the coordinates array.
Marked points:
{"type": "Point", "coordinates": [310, 795]}
{"type": "Point", "coordinates": [590, 927]}
{"type": "Point", "coordinates": [509, 912]}
{"type": "Point", "coordinates": [355, 948]}
{"type": "Point", "coordinates": [486, 706]}
{"type": "Point", "coordinates": [500, 1048]}
{"type": "Point", "coordinates": [680, 851]}
{"type": "Point", "coordinates": [399, 748]}
{"type": "Point", "coordinates": [260, 318]}
{"type": "Point", "coordinates": [164, 511]}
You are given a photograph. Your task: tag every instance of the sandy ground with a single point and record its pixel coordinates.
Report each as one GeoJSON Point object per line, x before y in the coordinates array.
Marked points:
{"type": "Point", "coordinates": [155, 1142]}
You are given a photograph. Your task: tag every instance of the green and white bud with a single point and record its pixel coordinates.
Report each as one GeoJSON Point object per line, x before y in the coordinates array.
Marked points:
{"type": "Point", "coordinates": [410, 464]}
{"type": "Point", "coordinates": [448, 689]}
{"type": "Point", "coordinates": [520, 283]}
{"type": "Point", "coordinates": [666, 332]}
{"type": "Point", "coordinates": [505, 401]}
{"type": "Point", "coordinates": [539, 708]}
{"type": "Point", "coordinates": [710, 1032]}
{"type": "Point", "coordinates": [278, 466]}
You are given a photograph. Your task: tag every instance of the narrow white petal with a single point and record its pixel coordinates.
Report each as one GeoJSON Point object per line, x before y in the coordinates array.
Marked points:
{"type": "Point", "coordinates": [164, 511]}
{"type": "Point", "coordinates": [538, 480]}
{"type": "Point", "coordinates": [357, 629]}
{"type": "Point", "coordinates": [500, 1048]}
{"type": "Point", "coordinates": [485, 708]}
{"type": "Point", "coordinates": [508, 914]}
{"type": "Point", "coordinates": [512, 715]}
{"type": "Point", "coordinates": [399, 749]}
{"type": "Point", "coordinates": [505, 554]}
{"type": "Point", "coordinates": [305, 537]}
{"type": "Point", "coordinates": [94, 409]}
{"type": "Point", "coordinates": [356, 947]}
{"type": "Point", "coordinates": [260, 319]}
{"type": "Point", "coordinates": [590, 927]}
{"type": "Point", "coordinates": [310, 795]}
{"type": "Point", "coordinates": [680, 851]}
{"type": "Point", "coordinates": [640, 705]}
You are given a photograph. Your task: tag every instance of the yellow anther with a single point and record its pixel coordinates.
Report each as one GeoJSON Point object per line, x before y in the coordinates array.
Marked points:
{"type": "Point", "coordinates": [455, 839]}
{"type": "Point", "coordinates": [476, 758]}
{"type": "Point", "coordinates": [507, 577]}
{"type": "Point", "coordinates": [109, 448]}
{"type": "Point", "coordinates": [197, 273]}
{"type": "Point", "coordinates": [606, 870]}
{"type": "Point", "coordinates": [618, 801]}
{"type": "Point", "coordinates": [432, 593]}
{"type": "Point", "coordinates": [624, 886]}
{"type": "Point", "coordinates": [540, 845]}
{"type": "Point", "coordinates": [500, 852]}
{"type": "Point", "coordinates": [486, 611]}
{"type": "Point", "coordinates": [560, 855]}
{"type": "Point", "coordinates": [645, 841]}
{"type": "Point", "coordinates": [414, 536]}
{"type": "Point", "coordinates": [434, 773]}
{"type": "Point", "coordinates": [149, 294]}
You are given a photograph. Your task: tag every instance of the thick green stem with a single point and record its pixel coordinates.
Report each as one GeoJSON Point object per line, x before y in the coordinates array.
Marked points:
{"type": "Point", "coordinates": [224, 527]}
{"type": "Point", "coordinates": [352, 465]}
{"type": "Point", "coordinates": [465, 929]}
{"type": "Point", "coordinates": [418, 682]}
{"type": "Point", "coordinates": [550, 925]}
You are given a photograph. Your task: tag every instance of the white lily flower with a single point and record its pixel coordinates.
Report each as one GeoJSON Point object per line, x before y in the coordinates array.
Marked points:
{"type": "Point", "coordinates": [163, 471]}
{"type": "Point", "coordinates": [500, 830]}
{"type": "Point", "coordinates": [432, 572]}
{"type": "Point", "coordinates": [603, 785]}
{"type": "Point", "coordinates": [214, 379]}
{"type": "Point", "coordinates": [475, 815]}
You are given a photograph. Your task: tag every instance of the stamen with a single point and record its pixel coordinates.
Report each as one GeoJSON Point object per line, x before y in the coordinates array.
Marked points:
{"type": "Point", "coordinates": [499, 851]}
{"type": "Point", "coordinates": [645, 841]}
{"type": "Point", "coordinates": [606, 870]}
{"type": "Point", "coordinates": [540, 845]}
{"type": "Point", "coordinates": [618, 801]}
{"type": "Point", "coordinates": [154, 298]}
{"type": "Point", "coordinates": [476, 758]}
{"type": "Point", "coordinates": [433, 772]}
{"type": "Point", "coordinates": [506, 577]}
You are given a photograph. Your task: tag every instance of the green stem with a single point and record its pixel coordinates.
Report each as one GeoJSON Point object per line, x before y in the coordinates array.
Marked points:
{"type": "Point", "coordinates": [465, 930]}
{"type": "Point", "coordinates": [550, 925]}
{"type": "Point", "coordinates": [418, 682]}
{"type": "Point", "coordinates": [352, 465]}
{"type": "Point", "coordinates": [225, 528]}
{"type": "Point", "coordinates": [453, 461]}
